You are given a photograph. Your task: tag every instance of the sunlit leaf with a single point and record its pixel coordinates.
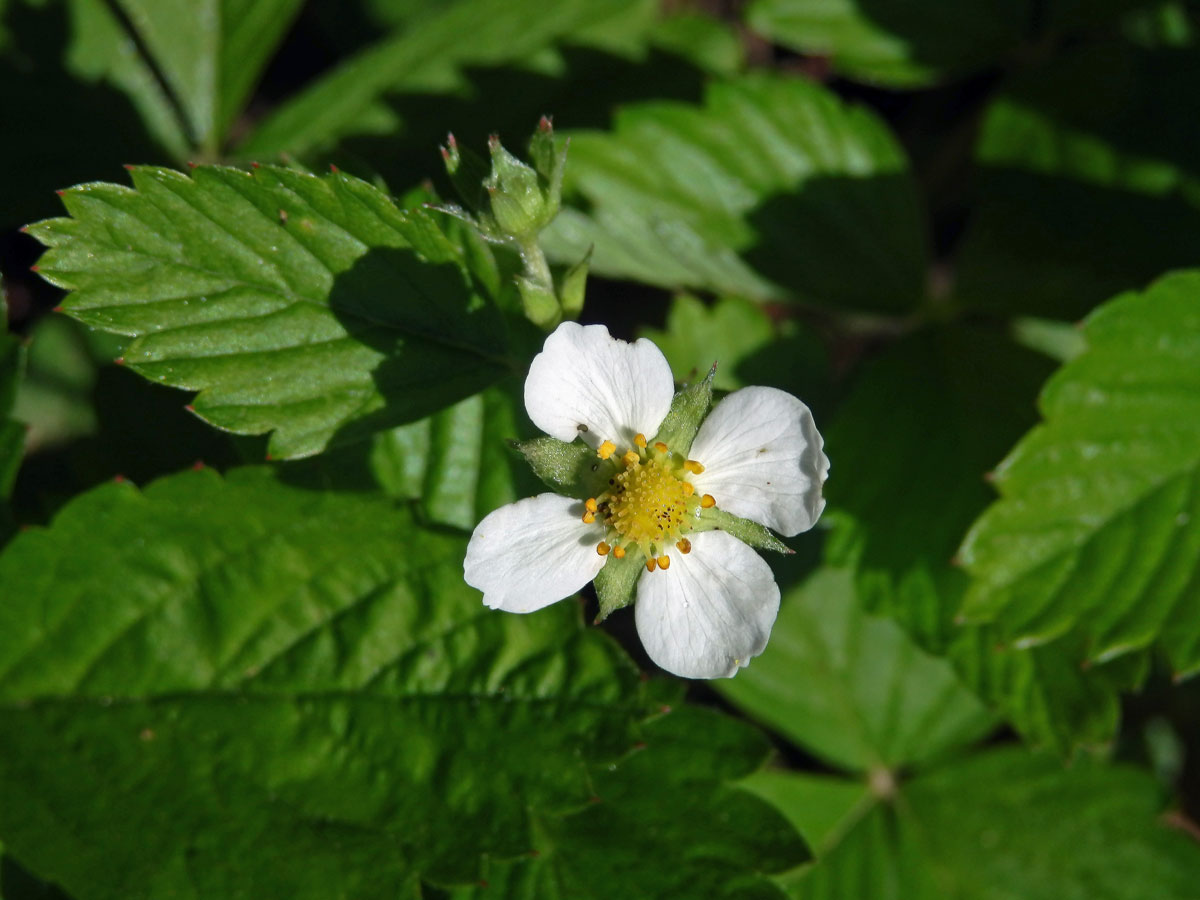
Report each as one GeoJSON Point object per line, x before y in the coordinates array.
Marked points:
{"type": "Point", "coordinates": [309, 307]}
{"type": "Point", "coordinates": [1096, 532]}
{"type": "Point", "coordinates": [230, 685]}
{"type": "Point", "coordinates": [774, 188]}
{"type": "Point", "coordinates": [853, 688]}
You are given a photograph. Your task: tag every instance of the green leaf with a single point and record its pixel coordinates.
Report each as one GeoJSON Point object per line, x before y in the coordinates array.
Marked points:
{"type": "Point", "coordinates": [696, 336]}
{"type": "Point", "coordinates": [948, 403]}
{"type": "Point", "coordinates": [894, 42]}
{"type": "Point", "coordinates": [821, 807]}
{"type": "Point", "coordinates": [72, 65]}
{"type": "Point", "coordinates": [774, 189]}
{"type": "Point", "coordinates": [230, 685]}
{"type": "Point", "coordinates": [1004, 825]}
{"type": "Point", "coordinates": [667, 825]}
{"type": "Point", "coordinates": [752, 533]}
{"type": "Point", "coordinates": [689, 406]}
{"type": "Point", "coordinates": [210, 53]}
{"type": "Point", "coordinates": [456, 462]}
{"type": "Point", "coordinates": [1076, 156]}
{"type": "Point", "coordinates": [309, 307]}
{"type": "Point", "coordinates": [426, 57]}
{"type": "Point", "coordinates": [1095, 534]}
{"type": "Point", "coordinates": [921, 427]}
{"type": "Point", "coordinates": [854, 689]}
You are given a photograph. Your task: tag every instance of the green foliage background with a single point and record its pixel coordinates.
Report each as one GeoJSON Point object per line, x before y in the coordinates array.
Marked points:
{"type": "Point", "coordinates": [256, 392]}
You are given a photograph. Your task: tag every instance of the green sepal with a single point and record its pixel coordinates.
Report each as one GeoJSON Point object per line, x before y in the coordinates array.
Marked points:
{"type": "Point", "coordinates": [519, 201]}
{"type": "Point", "coordinates": [549, 160]}
{"type": "Point", "coordinates": [467, 171]}
{"type": "Point", "coordinates": [616, 582]}
{"type": "Point", "coordinates": [572, 469]}
{"type": "Point", "coordinates": [759, 536]}
{"type": "Point", "coordinates": [572, 286]}
{"type": "Point", "coordinates": [688, 409]}
{"type": "Point", "coordinates": [539, 303]}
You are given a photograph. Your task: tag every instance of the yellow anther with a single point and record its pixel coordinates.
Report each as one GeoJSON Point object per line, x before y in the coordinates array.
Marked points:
{"type": "Point", "coordinates": [603, 548]}
{"type": "Point", "coordinates": [590, 504]}
{"type": "Point", "coordinates": [664, 562]}
{"type": "Point", "coordinates": [650, 564]}
{"type": "Point", "coordinates": [605, 450]}
{"type": "Point", "coordinates": [684, 546]}
{"type": "Point", "coordinates": [708, 501]}
{"type": "Point", "coordinates": [661, 447]}
{"type": "Point", "coordinates": [630, 458]}
{"type": "Point", "coordinates": [688, 489]}
{"type": "Point", "coordinates": [589, 517]}
{"type": "Point", "coordinates": [694, 467]}
{"type": "Point", "coordinates": [619, 552]}
{"type": "Point", "coordinates": [640, 440]}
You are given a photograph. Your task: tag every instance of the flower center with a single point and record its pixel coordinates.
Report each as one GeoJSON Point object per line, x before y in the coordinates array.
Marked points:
{"type": "Point", "coordinates": [650, 502]}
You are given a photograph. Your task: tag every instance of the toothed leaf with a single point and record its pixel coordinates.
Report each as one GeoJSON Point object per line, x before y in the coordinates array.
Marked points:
{"type": "Point", "coordinates": [308, 698]}
{"type": "Point", "coordinates": [308, 307]}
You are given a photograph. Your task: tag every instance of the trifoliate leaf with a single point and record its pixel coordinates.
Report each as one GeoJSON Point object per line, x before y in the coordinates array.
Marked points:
{"type": "Point", "coordinates": [308, 307]}
{"type": "Point", "coordinates": [667, 824]}
{"type": "Point", "coordinates": [1004, 825]}
{"type": "Point", "coordinates": [1096, 532]}
{"type": "Point", "coordinates": [852, 688]}
{"type": "Point", "coordinates": [689, 406]}
{"type": "Point", "coordinates": [773, 189]}
{"type": "Point", "coordinates": [228, 685]}
{"type": "Point", "coordinates": [752, 533]}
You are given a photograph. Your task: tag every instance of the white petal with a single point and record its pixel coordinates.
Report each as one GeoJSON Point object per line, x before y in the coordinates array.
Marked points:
{"type": "Point", "coordinates": [762, 459]}
{"type": "Point", "coordinates": [586, 377]}
{"type": "Point", "coordinates": [711, 611]}
{"type": "Point", "coordinates": [532, 553]}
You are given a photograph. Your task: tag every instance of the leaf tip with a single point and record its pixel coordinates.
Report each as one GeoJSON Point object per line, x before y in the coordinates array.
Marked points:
{"type": "Point", "coordinates": [189, 407]}
{"type": "Point", "coordinates": [957, 561]}
{"type": "Point", "coordinates": [120, 361]}
{"type": "Point", "coordinates": [199, 466]}
{"type": "Point", "coordinates": [546, 124]}
{"type": "Point", "coordinates": [57, 309]}
{"type": "Point", "coordinates": [192, 165]}
{"type": "Point", "coordinates": [255, 165]}
{"type": "Point", "coordinates": [35, 268]}
{"type": "Point", "coordinates": [119, 479]}
{"type": "Point", "coordinates": [61, 191]}
{"type": "Point", "coordinates": [334, 169]}
{"type": "Point", "coordinates": [128, 167]}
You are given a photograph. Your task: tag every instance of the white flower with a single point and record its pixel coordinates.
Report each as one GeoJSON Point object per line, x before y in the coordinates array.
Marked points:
{"type": "Point", "coordinates": [705, 601]}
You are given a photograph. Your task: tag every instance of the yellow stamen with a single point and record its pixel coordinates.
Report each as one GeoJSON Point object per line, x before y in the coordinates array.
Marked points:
{"type": "Point", "coordinates": [619, 552]}
{"type": "Point", "coordinates": [589, 517]}
{"type": "Point", "coordinates": [694, 467]}
{"type": "Point", "coordinates": [630, 458]}
{"type": "Point", "coordinates": [640, 440]}
{"type": "Point", "coordinates": [650, 564]}
{"type": "Point", "coordinates": [661, 447]}
{"type": "Point", "coordinates": [708, 501]}
{"type": "Point", "coordinates": [605, 450]}
{"type": "Point", "coordinates": [664, 562]}
{"type": "Point", "coordinates": [603, 548]}
{"type": "Point", "coordinates": [684, 546]}
{"type": "Point", "coordinates": [590, 504]}
{"type": "Point", "coordinates": [688, 489]}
